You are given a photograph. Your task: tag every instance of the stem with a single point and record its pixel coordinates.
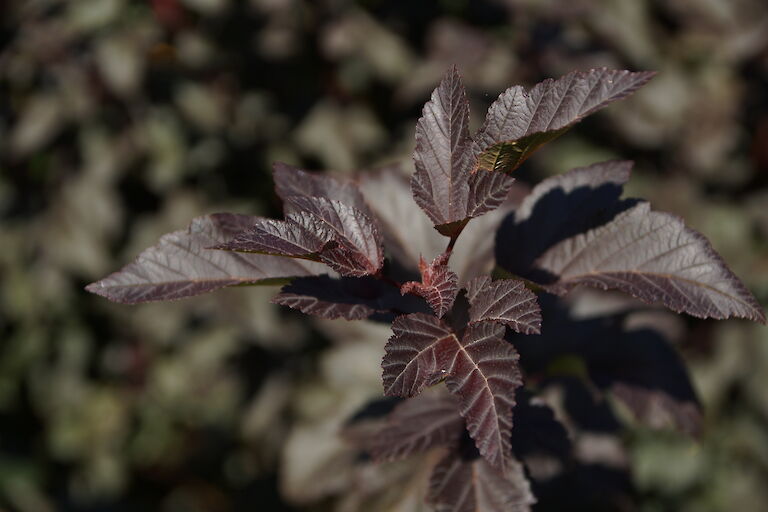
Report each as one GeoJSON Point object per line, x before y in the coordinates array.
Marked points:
{"type": "Point", "coordinates": [381, 277]}
{"type": "Point", "coordinates": [454, 237]}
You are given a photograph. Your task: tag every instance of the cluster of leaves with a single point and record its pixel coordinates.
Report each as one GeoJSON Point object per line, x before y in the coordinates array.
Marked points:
{"type": "Point", "coordinates": [343, 256]}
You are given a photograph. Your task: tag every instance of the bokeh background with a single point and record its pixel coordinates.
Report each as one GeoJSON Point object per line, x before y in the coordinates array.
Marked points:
{"type": "Point", "coordinates": [121, 120]}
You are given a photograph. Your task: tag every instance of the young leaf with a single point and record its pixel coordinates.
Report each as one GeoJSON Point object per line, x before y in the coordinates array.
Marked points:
{"type": "Point", "coordinates": [506, 301]}
{"type": "Point", "coordinates": [291, 181]}
{"type": "Point", "coordinates": [347, 297]}
{"type": "Point", "coordinates": [181, 266]}
{"type": "Point", "coordinates": [357, 250]}
{"type": "Point", "coordinates": [439, 285]}
{"type": "Point", "coordinates": [484, 374]}
{"type": "Point", "coordinates": [519, 122]}
{"type": "Point", "coordinates": [461, 484]}
{"type": "Point", "coordinates": [442, 154]}
{"type": "Point", "coordinates": [415, 425]}
{"type": "Point", "coordinates": [417, 355]}
{"type": "Point", "coordinates": [654, 257]}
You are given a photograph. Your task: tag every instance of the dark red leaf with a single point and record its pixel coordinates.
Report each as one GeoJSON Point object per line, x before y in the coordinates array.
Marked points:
{"type": "Point", "coordinates": [181, 266]}
{"type": "Point", "coordinates": [415, 425]}
{"type": "Point", "coordinates": [439, 285]}
{"type": "Point", "coordinates": [552, 105]}
{"type": "Point", "coordinates": [481, 369]}
{"type": "Point", "coordinates": [300, 235]}
{"type": "Point", "coordinates": [506, 301]}
{"type": "Point", "coordinates": [484, 374]}
{"type": "Point", "coordinates": [459, 484]}
{"type": "Point", "coordinates": [442, 157]}
{"type": "Point", "coordinates": [654, 257]}
{"type": "Point", "coordinates": [520, 121]}
{"type": "Point", "coordinates": [418, 354]}
{"type": "Point", "coordinates": [357, 250]}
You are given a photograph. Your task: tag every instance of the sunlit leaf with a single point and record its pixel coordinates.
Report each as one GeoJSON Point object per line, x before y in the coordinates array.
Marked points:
{"type": "Point", "coordinates": [442, 155]}
{"type": "Point", "coordinates": [481, 368]}
{"type": "Point", "coordinates": [654, 257]}
{"type": "Point", "coordinates": [506, 301]}
{"type": "Point", "coordinates": [520, 121]}
{"type": "Point", "coordinates": [181, 266]}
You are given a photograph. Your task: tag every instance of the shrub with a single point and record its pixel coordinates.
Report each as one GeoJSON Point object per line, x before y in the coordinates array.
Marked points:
{"type": "Point", "coordinates": [472, 315]}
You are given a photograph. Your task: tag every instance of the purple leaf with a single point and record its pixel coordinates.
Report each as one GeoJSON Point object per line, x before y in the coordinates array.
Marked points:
{"type": "Point", "coordinates": [506, 301]}
{"type": "Point", "coordinates": [181, 266]}
{"type": "Point", "coordinates": [348, 298]}
{"type": "Point", "coordinates": [484, 374]}
{"type": "Point", "coordinates": [291, 181]}
{"type": "Point", "coordinates": [439, 285]}
{"type": "Point", "coordinates": [415, 425]}
{"type": "Point", "coordinates": [654, 257]}
{"type": "Point", "coordinates": [487, 191]}
{"type": "Point", "coordinates": [459, 484]}
{"type": "Point", "coordinates": [357, 250]}
{"type": "Point", "coordinates": [520, 122]}
{"type": "Point", "coordinates": [560, 207]}
{"type": "Point", "coordinates": [442, 157]}
{"type": "Point", "coordinates": [481, 369]}
{"type": "Point", "coordinates": [417, 355]}
{"type": "Point", "coordinates": [300, 235]}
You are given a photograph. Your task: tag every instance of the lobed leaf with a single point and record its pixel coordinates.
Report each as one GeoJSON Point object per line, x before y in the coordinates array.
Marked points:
{"type": "Point", "coordinates": [180, 265]}
{"type": "Point", "coordinates": [461, 484]}
{"type": "Point", "coordinates": [439, 285]}
{"type": "Point", "coordinates": [506, 301]}
{"type": "Point", "coordinates": [654, 257]}
{"type": "Point", "coordinates": [442, 156]}
{"type": "Point", "coordinates": [415, 425]}
{"type": "Point", "coordinates": [481, 369]}
{"type": "Point", "coordinates": [484, 373]}
{"type": "Point", "coordinates": [299, 236]}
{"type": "Point", "coordinates": [417, 355]}
{"type": "Point", "coordinates": [357, 248]}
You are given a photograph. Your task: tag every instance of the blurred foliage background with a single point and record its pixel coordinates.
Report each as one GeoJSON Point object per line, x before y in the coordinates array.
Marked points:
{"type": "Point", "coordinates": [121, 120]}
